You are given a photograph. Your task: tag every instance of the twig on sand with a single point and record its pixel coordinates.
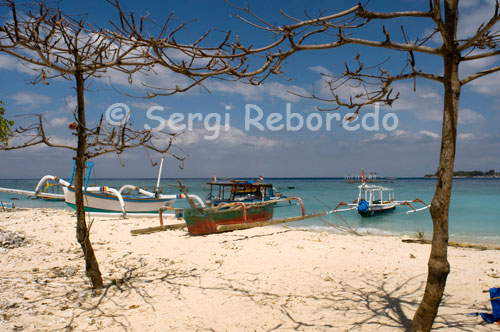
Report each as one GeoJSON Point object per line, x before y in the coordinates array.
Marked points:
{"type": "Point", "coordinates": [347, 228]}
{"type": "Point", "coordinates": [246, 237]}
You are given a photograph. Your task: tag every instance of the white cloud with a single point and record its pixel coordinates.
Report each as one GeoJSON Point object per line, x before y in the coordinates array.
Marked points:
{"type": "Point", "coordinates": [143, 105]}
{"type": "Point", "coordinates": [233, 137]}
{"type": "Point", "coordinates": [473, 13]}
{"type": "Point", "coordinates": [287, 93]}
{"type": "Point", "coordinates": [466, 116]}
{"type": "Point", "coordinates": [20, 140]}
{"type": "Point", "coordinates": [58, 122]}
{"type": "Point", "coordinates": [424, 98]}
{"type": "Point", "coordinates": [158, 77]}
{"type": "Point", "coordinates": [466, 136]}
{"type": "Point", "coordinates": [429, 134]}
{"type": "Point", "coordinates": [9, 62]}
{"type": "Point", "coordinates": [430, 114]}
{"type": "Point", "coordinates": [399, 132]}
{"type": "Point", "coordinates": [63, 141]}
{"type": "Point", "coordinates": [29, 99]}
{"type": "Point", "coordinates": [477, 13]}
{"type": "Point", "coordinates": [487, 85]}
{"type": "Point", "coordinates": [256, 92]}
{"type": "Point", "coordinates": [71, 102]}
{"type": "Point", "coordinates": [320, 70]}
{"type": "Point", "coordinates": [472, 66]}
{"type": "Point", "coordinates": [376, 137]}
{"type": "Point", "coordinates": [403, 136]}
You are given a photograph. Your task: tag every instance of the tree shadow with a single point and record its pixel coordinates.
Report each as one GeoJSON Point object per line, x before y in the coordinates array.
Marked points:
{"type": "Point", "coordinates": [364, 302]}
{"type": "Point", "coordinates": [375, 304]}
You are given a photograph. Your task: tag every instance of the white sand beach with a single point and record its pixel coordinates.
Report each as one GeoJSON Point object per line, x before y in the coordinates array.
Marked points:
{"type": "Point", "coordinates": [261, 279]}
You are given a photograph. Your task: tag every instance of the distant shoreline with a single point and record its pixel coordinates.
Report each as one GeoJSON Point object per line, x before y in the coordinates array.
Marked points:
{"type": "Point", "coordinates": [491, 174]}
{"type": "Point", "coordinates": [464, 177]}
{"type": "Point", "coordinates": [270, 178]}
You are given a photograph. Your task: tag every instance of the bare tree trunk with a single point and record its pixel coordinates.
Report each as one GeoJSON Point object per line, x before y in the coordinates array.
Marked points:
{"type": "Point", "coordinates": [438, 266]}
{"type": "Point", "coordinates": [82, 232]}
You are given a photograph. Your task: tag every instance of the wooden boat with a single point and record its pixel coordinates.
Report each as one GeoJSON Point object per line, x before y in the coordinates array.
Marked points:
{"type": "Point", "coordinates": [106, 201]}
{"type": "Point", "coordinates": [375, 200]}
{"type": "Point", "coordinates": [246, 191]}
{"type": "Point", "coordinates": [201, 221]}
{"type": "Point", "coordinates": [238, 215]}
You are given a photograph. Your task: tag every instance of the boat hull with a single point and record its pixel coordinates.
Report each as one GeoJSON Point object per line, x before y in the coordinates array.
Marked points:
{"type": "Point", "coordinates": [377, 210]}
{"type": "Point", "coordinates": [202, 221]}
{"type": "Point", "coordinates": [99, 202]}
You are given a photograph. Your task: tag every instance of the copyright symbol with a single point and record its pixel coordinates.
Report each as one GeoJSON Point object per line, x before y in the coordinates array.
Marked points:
{"type": "Point", "coordinates": [117, 114]}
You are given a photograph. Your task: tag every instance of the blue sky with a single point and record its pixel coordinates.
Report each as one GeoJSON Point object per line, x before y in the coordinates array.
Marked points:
{"type": "Point", "coordinates": [410, 150]}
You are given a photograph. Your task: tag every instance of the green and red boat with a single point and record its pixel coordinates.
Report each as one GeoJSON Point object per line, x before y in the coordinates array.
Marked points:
{"type": "Point", "coordinates": [237, 215]}
{"type": "Point", "coordinates": [227, 217]}
{"type": "Point", "coordinates": [201, 221]}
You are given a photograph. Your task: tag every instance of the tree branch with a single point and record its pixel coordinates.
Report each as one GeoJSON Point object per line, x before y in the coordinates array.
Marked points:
{"type": "Point", "coordinates": [480, 55]}
{"type": "Point", "coordinates": [479, 74]}
{"type": "Point", "coordinates": [384, 44]}
{"type": "Point", "coordinates": [481, 32]}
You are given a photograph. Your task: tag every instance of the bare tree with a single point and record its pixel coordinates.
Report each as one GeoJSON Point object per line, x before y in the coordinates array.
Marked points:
{"type": "Point", "coordinates": [370, 85]}
{"type": "Point", "coordinates": [195, 60]}
{"type": "Point", "coordinates": [59, 46]}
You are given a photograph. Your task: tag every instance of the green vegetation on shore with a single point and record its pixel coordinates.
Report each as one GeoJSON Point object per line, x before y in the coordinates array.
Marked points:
{"type": "Point", "coordinates": [470, 174]}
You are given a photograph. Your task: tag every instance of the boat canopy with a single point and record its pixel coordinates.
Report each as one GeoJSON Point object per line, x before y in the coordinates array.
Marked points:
{"type": "Point", "coordinates": [375, 194]}
{"type": "Point", "coordinates": [238, 190]}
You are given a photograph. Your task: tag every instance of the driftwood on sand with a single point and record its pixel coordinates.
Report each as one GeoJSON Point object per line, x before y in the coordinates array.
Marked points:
{"type": "Point", "coordinates": [150, 230]}
{"type": "Point", "coordinates": [456, 244]}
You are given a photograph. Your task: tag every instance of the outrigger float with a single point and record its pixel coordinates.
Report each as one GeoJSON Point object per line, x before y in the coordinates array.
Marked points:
{"type": "Point", "coordinates": [374, 200]}
{"type": "Point", "coordinates": [41, 191]}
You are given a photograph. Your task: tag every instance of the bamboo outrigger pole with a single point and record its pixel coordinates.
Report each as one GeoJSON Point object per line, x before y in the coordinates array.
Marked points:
{"type": "Point", "coordinates": [234, 227]}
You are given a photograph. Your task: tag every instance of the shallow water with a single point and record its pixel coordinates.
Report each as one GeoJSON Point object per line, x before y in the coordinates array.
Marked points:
{"type": "Point", "coordinates": [474, 210]}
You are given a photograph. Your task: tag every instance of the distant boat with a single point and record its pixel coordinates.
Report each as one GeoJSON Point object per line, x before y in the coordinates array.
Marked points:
{"type": "Point", "coordinates": [371, 177]}
{"type": "Point", "coordinates": [291, 187]}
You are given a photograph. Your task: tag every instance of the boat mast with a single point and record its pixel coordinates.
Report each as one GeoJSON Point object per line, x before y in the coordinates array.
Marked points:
{"type": "Point", "coordinates": [157, 189]}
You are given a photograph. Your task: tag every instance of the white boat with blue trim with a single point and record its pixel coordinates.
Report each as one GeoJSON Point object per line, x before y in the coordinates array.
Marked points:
{"type": "Point", "coordinates": [108, 201]}
{"type": "Point", "coordinates": [374, 200]}
{"type": "Point", "coordinates": [104, 200]}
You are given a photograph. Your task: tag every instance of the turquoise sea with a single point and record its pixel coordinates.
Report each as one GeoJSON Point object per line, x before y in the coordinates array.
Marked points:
{"type": "Point", "coordinates": [474, 210]}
